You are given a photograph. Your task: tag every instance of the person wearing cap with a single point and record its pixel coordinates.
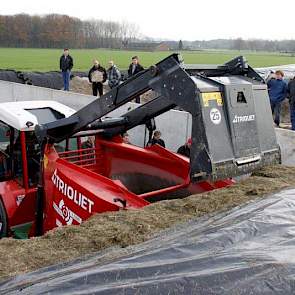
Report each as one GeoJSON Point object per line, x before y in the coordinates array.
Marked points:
{"type": "Point", "coordinates": [277, 90]}
{"type": "Point", "coordinates": [185, 149]}
{"type": "Point", "coordinates": [66, 64]}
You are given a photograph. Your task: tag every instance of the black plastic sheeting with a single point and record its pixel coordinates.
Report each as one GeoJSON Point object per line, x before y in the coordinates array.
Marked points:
{"type": "Point", "coordinates": [11, 76]}
{"type": "Point", "coordinates": [249, 250]}
{"type": "Point", "coordinates": [51, 79]}
{"type": "Point", "coordinates": [54, 80]}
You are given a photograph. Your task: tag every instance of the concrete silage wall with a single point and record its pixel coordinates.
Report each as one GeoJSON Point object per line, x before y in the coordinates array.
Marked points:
{"type": "Point", "coordinates": [10, 91]}
{"type": "Point", "coordinates": [174, 125]}
{"type": "Point", "coordinates": [286, 140]}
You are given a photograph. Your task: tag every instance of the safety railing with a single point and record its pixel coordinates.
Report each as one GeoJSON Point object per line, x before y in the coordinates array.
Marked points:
{"type": "Point", "coordinates": [83, 157]}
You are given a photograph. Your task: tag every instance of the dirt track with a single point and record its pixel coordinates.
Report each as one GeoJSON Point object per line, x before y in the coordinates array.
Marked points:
{"type": "Point", "coordinates": [125, 228]}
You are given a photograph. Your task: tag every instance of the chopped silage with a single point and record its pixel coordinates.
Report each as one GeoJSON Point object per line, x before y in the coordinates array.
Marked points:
{"type": "Point", "coordinates": [126, 228]}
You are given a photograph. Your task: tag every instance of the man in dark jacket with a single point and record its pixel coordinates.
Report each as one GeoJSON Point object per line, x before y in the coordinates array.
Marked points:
{"type": "Point", "coordinates": [185, 149]}
{"type": "Point", "coordinates": [135, 68]}
{"type": "Point", "coordinates": [277, 90]}
{"type": "Point", "coordinates": [114, 75]}
{"type": "Point", "coordinates": [291, 97]}
{"type": "Point", "coordinates": [97, 76]}
{"type": "Point", "coordinates": [157, 139]}
{"type": "Point", "coordinates": [66, 64]}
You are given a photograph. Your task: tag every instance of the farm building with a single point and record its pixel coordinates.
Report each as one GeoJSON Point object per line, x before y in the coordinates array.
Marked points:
{"type": "Point", "coordinates": [148, 46]}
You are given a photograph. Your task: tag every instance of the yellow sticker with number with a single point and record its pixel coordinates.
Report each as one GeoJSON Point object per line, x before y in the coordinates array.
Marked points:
{"type": "Point", "coordinates": [212, 96]}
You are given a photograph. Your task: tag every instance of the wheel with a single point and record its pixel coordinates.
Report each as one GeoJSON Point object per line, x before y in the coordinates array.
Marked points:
{"type": "Point", "coordinates": [3, 221]}
{"type": "Point", "coordinates": [153, 71]}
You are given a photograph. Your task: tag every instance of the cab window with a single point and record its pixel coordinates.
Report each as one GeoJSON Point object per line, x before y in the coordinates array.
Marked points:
{"type": "Point", "coordinates": [4, 136]}
{"type": "Point", "coordinates": [33, 157]}
{"type": "Point", "coordinates": [15, 152]}
{"type": "Point", "coordinates": [5, 143]}
{"type": "Point", "coordinates": [10, 154]}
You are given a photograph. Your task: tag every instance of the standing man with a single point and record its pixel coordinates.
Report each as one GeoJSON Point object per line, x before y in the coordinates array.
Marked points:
{"type": "Point", "coordinates": [157, 139]}
{"type": "Point", "coordinates": [66, 64]}
{"type": "Point", "coordinates": [114, 75]}
{"type": "Point", "coordinates": [291, 97]}
{"type": "Point", "coordinates": [97, 76]}
{"type": "Point", "coordinates": [135, 68]}
{"type": "Point", "coordinates": [277, 90]}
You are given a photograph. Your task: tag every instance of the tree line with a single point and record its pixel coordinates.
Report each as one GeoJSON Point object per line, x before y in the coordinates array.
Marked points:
{"type": "Point", "coordinates": [59, 31]}
{"type": "Point", "coordinates": [245, 44]}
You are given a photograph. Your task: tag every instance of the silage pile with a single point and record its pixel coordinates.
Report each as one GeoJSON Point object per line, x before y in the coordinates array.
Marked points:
{"type": "Point", "coordinates": [80, 85]}
{"type": "Point", "coordinates": [126, 228]}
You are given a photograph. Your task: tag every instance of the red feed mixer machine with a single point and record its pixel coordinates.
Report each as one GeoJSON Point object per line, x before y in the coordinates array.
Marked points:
{"type": "Point", "coordinates": [50, 178]}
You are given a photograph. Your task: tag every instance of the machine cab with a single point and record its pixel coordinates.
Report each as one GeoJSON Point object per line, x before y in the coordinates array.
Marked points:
{"type": "Point", "coordinates": [20, 160]}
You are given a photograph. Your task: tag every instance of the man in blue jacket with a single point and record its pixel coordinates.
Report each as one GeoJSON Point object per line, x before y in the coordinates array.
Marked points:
{"type": "Point", "coordinates": [277, 90]}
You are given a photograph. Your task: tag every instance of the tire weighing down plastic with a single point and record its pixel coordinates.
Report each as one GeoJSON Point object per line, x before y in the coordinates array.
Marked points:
{"type": "Point", "coordinates": [249, 250]}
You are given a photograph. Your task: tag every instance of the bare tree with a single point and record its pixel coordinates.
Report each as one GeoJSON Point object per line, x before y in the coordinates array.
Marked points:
{"type": "Point", "coordinates": [56, 31]}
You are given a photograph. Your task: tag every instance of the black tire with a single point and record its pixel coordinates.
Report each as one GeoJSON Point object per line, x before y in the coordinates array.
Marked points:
{"type": "Point", "coordinates": [3, 221]}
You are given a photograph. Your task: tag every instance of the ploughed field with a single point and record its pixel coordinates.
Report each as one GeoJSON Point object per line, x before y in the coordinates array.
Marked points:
{"type": "Point", "coordinates": [123, 228]}
{"type": "Point", "coordinates": [27, 59]}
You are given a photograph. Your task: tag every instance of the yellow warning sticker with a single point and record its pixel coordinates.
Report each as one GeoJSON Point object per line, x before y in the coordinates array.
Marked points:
{"type": "Point", "coordinates": [45, 161]}
{"type": "Point", "coordinates": [212, 96]}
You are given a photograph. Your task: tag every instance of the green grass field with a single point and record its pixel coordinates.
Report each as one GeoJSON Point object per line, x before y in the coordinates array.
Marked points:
{"type": "Point", "coordinates": [47, 59]}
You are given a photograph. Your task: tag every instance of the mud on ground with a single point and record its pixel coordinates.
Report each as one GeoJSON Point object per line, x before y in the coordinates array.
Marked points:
{"type": "Point", "coordinates": [126, 228]}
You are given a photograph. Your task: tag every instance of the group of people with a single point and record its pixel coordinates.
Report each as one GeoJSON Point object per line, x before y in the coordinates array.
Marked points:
{"type": "Point", "coordinates": [182, 150]}
{"type": "Point", "coordinates": [278, 91]}
{"type": "Point", "coordinates": [156, 139]}
{"type": "Point", "coordinates": [98, 75]}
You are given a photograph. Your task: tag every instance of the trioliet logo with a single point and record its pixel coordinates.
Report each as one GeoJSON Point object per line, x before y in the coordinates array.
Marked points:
{"type": "Point", "coordinates": [75, 196]}
{"type": "Point", "coordinates": [246, 118]}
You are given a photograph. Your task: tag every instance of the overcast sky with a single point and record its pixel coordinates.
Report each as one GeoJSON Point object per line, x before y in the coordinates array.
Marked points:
{"type": "Point", "coordinates": [185, 19]}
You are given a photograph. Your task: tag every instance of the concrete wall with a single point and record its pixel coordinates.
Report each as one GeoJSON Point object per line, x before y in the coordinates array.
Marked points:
{"type": "Point", "coordinates": [174, 125]}
{"type": "Point", "coordinates": [19, 92]}
{"type": "Point", "coordinates": [286, 140]}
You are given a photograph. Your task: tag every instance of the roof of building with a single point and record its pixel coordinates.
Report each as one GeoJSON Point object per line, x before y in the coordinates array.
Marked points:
{"type": "Point", "coordinates": [18, 114]}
